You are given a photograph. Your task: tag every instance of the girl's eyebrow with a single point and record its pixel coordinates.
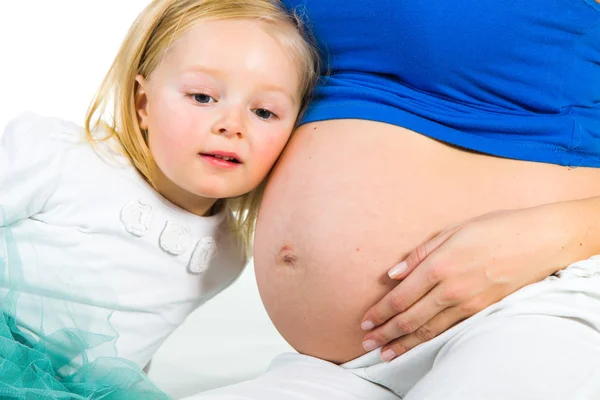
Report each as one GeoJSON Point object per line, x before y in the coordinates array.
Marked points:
{"type": "Point", "coordinates": [280, 90]}
{"type": "Point", "coordinates": [202, 69]}
{"type": "Point", "coordinates": [198, 70]}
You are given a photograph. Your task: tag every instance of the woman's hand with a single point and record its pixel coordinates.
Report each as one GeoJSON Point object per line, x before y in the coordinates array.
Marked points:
{"type": "Point", "coordinates": [472, 265]}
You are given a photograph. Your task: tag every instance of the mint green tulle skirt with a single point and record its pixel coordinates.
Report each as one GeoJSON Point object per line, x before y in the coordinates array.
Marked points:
{"type": "Point", "coordinates": [28, 370]}
{"type": "Point", "coordinates": [46, 358]}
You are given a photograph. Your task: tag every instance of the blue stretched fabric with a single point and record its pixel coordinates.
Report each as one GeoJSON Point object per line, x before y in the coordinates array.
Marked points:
{"type": "Point", "coordinates": [517, 78]}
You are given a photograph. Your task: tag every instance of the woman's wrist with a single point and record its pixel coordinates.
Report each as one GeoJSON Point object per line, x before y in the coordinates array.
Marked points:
{"type": "Point", "coordinates": [579, 220]}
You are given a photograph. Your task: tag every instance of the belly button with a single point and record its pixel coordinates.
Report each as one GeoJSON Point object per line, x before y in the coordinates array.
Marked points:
{"type": "Point", "coordinates": [287, 256]}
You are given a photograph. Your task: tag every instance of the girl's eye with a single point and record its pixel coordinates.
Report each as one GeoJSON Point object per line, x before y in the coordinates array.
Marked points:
{"type": "Point", "coordinates": [203, 98]}
{"type": "Point", "coordinates": [264, 114]}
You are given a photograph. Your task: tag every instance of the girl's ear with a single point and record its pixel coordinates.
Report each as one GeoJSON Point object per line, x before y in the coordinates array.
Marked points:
{"type": "Point", "coordinates": [141, 102]}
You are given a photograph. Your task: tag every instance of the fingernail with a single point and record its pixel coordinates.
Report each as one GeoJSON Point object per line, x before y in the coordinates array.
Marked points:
{"type": "Point", "coordinates": [388, 355]}
{"type": "Point", "coordinates": [367, 325]}
{"type": "Point", "coordinates": [370, 345]}
{"type": "Point", "coordinates": [398, 269]}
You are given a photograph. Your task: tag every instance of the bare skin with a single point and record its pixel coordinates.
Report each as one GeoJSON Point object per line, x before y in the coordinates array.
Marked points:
{"type": "Point", "coordinates": [349, 199]}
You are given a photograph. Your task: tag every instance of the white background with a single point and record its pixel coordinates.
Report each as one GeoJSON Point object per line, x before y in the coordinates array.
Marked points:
{"type": "Point", "coordinates": [53, 56]}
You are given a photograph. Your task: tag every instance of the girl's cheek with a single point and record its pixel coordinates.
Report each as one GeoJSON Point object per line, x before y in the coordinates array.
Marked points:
{"type": "Point", "coordinates": [275, 145]}
{"type": "Point", "coordinates": [268, 154]}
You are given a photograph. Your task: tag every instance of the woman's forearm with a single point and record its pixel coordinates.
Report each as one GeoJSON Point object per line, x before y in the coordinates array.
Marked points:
{"type": "Point", "coordinates": [581, 224]}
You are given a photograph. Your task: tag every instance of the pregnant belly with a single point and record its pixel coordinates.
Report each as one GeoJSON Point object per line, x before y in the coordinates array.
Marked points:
{"type": "Point", "coordinates": [349, 199]}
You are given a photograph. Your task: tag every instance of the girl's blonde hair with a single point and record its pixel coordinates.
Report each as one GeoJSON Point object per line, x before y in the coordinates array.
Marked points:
{"type": "Point", "coordinates": [160, 24]}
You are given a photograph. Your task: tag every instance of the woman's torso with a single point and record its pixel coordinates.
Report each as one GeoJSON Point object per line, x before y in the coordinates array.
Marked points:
{"type": "Point", "coordinates": [350, 198]}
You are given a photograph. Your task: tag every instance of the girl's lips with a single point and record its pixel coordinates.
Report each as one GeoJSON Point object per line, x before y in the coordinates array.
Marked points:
{"type": "Point", "coordinates": [219, 162]}
{"type": "Point", "coordinates": [224, 154]}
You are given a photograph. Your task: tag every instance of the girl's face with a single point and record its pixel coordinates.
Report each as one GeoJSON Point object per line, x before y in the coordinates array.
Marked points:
{"type": "Point", "coordinates": [219, 110]}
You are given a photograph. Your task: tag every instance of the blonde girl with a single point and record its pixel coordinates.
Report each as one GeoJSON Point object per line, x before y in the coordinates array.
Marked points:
{"type": "Point", "coordinates": [112, 234]}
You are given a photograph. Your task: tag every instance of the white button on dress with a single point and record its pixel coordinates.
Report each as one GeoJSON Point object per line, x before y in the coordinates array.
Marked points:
{"type": "Point", "coordinates": [136, 217]}
{"type": "Point", "coordinates": [174, 238]}
{"type": "Point", "coordinates": [203, 254]}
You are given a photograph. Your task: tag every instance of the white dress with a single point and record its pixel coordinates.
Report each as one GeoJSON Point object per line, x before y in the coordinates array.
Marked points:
{"type": "Point", "coordinates": [92, 259]}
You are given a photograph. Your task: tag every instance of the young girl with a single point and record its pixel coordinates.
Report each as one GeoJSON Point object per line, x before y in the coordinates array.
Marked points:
{"type": "Point", "coordinates": [112, 234]}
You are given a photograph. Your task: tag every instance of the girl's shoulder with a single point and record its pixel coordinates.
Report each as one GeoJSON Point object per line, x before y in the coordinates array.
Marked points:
{"type": "Point", "coordinates": [31, 136]}
{"type": "Point", "coordinates": [33, 133]}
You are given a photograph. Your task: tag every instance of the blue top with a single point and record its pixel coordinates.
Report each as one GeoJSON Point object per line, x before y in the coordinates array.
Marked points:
{"type": "Point", "coordinates": [516, 78]}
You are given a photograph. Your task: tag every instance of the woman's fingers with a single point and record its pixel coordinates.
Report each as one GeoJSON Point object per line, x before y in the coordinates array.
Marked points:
{"type": "Point", "coordinates": [420, 254]}
{"type": "Point", "coordinates": [431, 329]}
{"type": "Point", "coordinates": [405, 323]}
{"type": "Point", "coordinates": [414, 287]}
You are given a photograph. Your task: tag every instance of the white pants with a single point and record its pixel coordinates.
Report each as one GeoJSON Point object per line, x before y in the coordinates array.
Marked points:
{"type": "Point", "coordinates": [542, 342]}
